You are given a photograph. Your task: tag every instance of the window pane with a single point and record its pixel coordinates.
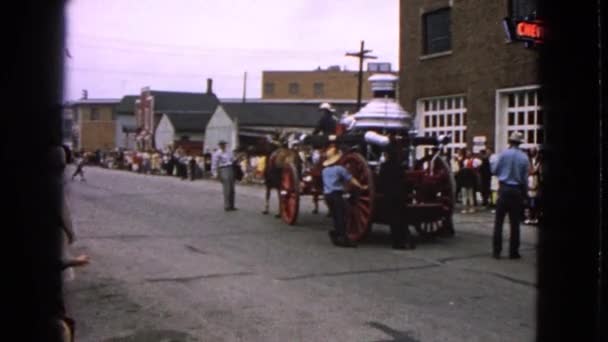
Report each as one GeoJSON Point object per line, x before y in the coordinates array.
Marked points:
{"type": "Point", "coordinates": [456, 103]}
{"type": "Point", "coordinates": [521, 99]}
{"type": "Point", "coordinates": [441, 121]}
{"type": "Point", "coordinates": [464, 119]}
{"type": "Point", "coordinates": [539, 117]}
{"type": "Point", "coordinates": [511, 100]}
{"type": "Point", "coordinates": [531, 115]}
{"type": "Point", "coordinates": [437, 31]}
{"type": "Point", "coordinates": [426, 121]}
{"type": "Point", "coordinates": [434, 105]}
{"type": "Point", "coordinates": [294, 88]}
{"type": "Point", "coordinates": [511, 120]}
{"type": "Point", "coordinates": [434, 120]}
{"type": "Point", "coordinates": [318, 89]}
{"type": "Point", "coordinates": [520, 118]}
{"type": "Point", "coordinates": [450, 103]}
{"type": "Point", "coordinates": [449, 119]}
{"type": "Point", "coordinates": [457, 119]}
{"type": "Point", "coordinates": [464, 136]}
{"type": "Point", "coordinates": [457, 137]}
{"type": "Point", "coordinates": [531, 98]}
{"type": "Point", "coordinates": [530, 134]}
{"type": "Point", "coordinates": [426, 106]}
{"type": "Point", "coordinates": [442, 104]}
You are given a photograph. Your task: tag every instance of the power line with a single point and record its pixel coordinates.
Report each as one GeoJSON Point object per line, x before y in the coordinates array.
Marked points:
{"type": "Point", "coordinates": [201, 48]}
{"type": "Point", "coordinates": [150, 73]}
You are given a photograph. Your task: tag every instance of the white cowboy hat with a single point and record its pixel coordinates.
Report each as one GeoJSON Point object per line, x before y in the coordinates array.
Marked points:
{"type": "Point", "coordinates": [326, 106]}
{"type": "Point", "coordinates": [516, 137]}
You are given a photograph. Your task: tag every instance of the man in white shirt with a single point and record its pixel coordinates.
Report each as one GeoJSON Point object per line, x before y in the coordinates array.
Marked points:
{"type": "Point", "coordinates": [221, 167]}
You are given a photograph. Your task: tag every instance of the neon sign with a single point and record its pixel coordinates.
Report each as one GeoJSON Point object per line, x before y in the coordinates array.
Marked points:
{"type": "Point", "coordinates": [530, 30]}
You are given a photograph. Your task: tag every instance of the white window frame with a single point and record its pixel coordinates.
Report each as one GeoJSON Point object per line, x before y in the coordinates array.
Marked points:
{"type": "Point", "coordinates": [502, 127]}
{"type": "Point", "coordinates": [422, 130]}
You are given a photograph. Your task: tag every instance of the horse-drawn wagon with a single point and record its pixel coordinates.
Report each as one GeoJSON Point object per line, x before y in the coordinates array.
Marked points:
{"type": "Point", "coordinates": [380, 126]}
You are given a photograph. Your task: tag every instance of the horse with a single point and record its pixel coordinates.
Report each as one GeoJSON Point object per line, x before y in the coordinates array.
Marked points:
{"type": "Point", "coordinates": [284, 151]}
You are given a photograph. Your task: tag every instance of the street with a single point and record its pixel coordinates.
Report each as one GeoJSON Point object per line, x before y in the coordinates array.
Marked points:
{"type": "Point", "coordinates": [169, 264]}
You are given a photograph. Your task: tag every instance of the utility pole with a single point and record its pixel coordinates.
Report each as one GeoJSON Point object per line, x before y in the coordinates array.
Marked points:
{"type": "Point", "coordinates": [362, 54]}
{"type": "Point", "coordinates": [245, 87]}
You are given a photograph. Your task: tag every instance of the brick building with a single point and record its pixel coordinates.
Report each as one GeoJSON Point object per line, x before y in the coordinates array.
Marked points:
{"type": "Point", "coordinates": [461, 75]}
{"type": "Point", "coordinates": [331, 83]}
{"type": "Point", "coordinates": [93, 123]}
{"type": "Point", "coordinates": [151, 105]}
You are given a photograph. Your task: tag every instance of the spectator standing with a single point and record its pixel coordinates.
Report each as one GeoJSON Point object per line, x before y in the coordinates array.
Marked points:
{"type": "Point", "coordinates": [512, 169]}
{"type": "Point", "coordinates": [533, 184]}
{"type": "Point", "coordinates": [222, 168]}
{"type": "Point", "coordinates": [468, 180]}
{"type": "Point", "coordinates": [485, 177]}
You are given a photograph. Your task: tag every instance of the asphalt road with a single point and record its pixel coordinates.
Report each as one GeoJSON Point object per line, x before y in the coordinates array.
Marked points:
{"type": "Point", "coordinates": [168, 264]}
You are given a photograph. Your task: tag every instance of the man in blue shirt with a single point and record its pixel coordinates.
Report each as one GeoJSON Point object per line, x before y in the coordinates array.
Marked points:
{"type": "Point", "coordinates": [335, 176]}
{"type": "Point", "coordinates": [511, 169]}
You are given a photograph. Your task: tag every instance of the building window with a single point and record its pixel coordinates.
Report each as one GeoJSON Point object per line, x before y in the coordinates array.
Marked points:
{"type": "Point", "coordinates": [319, 89]}
{"type": "Point", "coordinates": [445, 115]}
{"type": "Point", "coordinates": [436, 31]}
{"type": "Point", "coordinates": [268, 88]}
{"type": "Point", "coordinates": [95, 114]}
{"type": "Point", "coordinates": [294, 88]}
{"type": "Point", "coordinates": [523, 113]}
{"type": "Point", "coordinates": [520, 9]}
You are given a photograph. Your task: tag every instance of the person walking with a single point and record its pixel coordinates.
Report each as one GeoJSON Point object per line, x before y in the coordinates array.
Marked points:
{"type": "Point", "coordinates": [532, 217]}
{"type": "Point", "coordinates": [334, 177]}
{"type": "Point", "coordinates": [511, 169]}
{"type": "Point", "coordinates": [80, 161]}
{"type": "Point", "coordinates": [222, 168]}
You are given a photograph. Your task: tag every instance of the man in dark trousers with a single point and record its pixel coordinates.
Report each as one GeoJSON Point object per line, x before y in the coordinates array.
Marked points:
{"type": "Point", "coordinates": [327, 123]}
{"type": "Point", "coordinates": [335, 177]}
{"type": "Point", "coordinates": [511, 169]}
{"type": "Point", "coordinates": [485, 176]}
{"type": "Point", "coordinates": [392, 182]}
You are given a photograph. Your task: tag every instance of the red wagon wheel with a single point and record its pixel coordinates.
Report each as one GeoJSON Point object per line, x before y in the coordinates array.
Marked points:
{"type": "Point", "coordinates": [289, 194]}
{"type": "Point", "coordinates": [444, 194]}
{"type": "Point", "coordinates": [361, 205]}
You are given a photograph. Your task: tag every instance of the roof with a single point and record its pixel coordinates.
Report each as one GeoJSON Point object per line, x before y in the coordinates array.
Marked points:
{"type": "Point", "coordinates": [278, 114]}
{"type": "Point", "coordinates": [189, 122]}
{"type": "Point", "coordinates": [171, 101]}
{"type": "Point", "coordinates": [85, 102]}
{"type": "Point", "coordinates": [127, 105]}
{"type": "Point", "coordinates": [293, 101]}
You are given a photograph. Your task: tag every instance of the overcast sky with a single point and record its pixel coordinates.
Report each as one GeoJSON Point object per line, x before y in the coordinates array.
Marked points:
{"type": "Point", "coordinates": [119, 46]}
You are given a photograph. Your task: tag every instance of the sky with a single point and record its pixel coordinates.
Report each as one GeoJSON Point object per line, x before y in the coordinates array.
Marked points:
{"type": "Point", "coordinates": [117, 47]}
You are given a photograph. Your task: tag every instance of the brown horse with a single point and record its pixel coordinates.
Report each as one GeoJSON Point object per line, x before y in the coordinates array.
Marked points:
{"type": "Point", "coordinates": [274, 169]}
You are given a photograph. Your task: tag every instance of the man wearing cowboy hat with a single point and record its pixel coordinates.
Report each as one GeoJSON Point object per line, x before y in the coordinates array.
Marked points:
{"type": "Point", "coordinates": [221, 167]}
{"type": "Point", "coordinates": [335, 176]}
{"type": "Point", "coordinates": [327, 123]}
{"type": "Point", "coordinates": [511, 169]}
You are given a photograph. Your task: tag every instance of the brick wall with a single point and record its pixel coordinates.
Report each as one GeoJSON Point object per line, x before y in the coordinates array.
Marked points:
{"type": "Point", "coordinates": [337, 84]}
{"type": "Point", "coordinates": [480, 61]}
